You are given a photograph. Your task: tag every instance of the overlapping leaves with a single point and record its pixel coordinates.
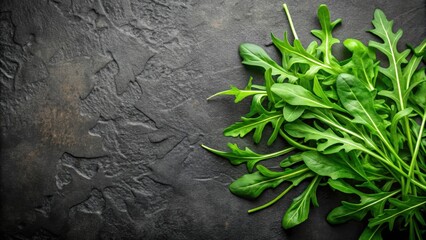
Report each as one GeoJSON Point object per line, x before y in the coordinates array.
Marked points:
{"type": "Point", "coordinates": [359, 127]}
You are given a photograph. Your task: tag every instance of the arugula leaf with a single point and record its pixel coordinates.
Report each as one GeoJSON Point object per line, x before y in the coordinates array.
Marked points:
{"type": "Point", "coordinates": [363, 63]}
{"type": "Point", "coordinates": [401, 208]}
{"type": "Point", "coordinates": [253, 184]}
{"type": "Point", "coordinates": [318, 90]}
{"type": "Point", "coordinates": [239, 94]}
{"type": "Point", "coordinates": [420, 51]}
{"type": "Point", "coordinates": [297, 95]}
{"type": "Point", "coordinates": [414, 62]}
{"type": "Point", "coordinates": [374, 233]}
{"type": "Point", "coordinates": [383, 29]}
{"type": "Point", "coordinates": [269, 81]}
{"type": "Point", "coordinates": [356, 98]}
{"type": "Point", "coordinates": [298, 211]}
{"type": "Point", "coordinates": [356, 211]}
{"type": "Point", "coordinates": [352, 119]}
{"type": "Point", "coordinates": [332, 166]}
{"type": "Point", "coordinates": [419, 97]}
{"type": "Point", "coordinates": [238, 156]}
{"type": "Point", "coordinates": [292, 159]}
{"type": "Point", "coordinates": [345, 126]}
{"type": "Point", "coordinates": [254, 55]}
{"type": "Point", "coordinates": [396, 138]}
{"type": "Point", "coordinates": [249, 124]}
{"type": "Point", "coordinates": [327, 40]}
{"type": "Point", "coordinates": [256, 107]}
{"type": "Point", "coordinates": [331, 143]}
{"type": "Point", "coordinates": [300, 56]}
{"type": "Point", "coordinates": [292, 113]}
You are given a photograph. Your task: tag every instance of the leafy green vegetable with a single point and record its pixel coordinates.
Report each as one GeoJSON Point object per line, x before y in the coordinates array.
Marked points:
{"type": "Point", "coordinates": [297, 95]}
{"type": "Point", "coordinates": [253, 184]}
{"type": "Point", "coordinates": [355, 125]}
{"type": "Point", "coordinates": [257, 124]}
{"type": "Point", "coordinates": [298, 211]}
{"type": "Point", "coordinates": [334, 167]}
{"type": "Point", "coordinates": [238, 156]}
{"type": "Point", "coordinates": [255, 56]}
{"type": "Point", "coordinates": [356, 211]}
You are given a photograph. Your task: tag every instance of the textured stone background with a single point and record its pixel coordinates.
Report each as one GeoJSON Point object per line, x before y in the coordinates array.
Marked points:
{"type": "Point", "coordinates": [103, 109]}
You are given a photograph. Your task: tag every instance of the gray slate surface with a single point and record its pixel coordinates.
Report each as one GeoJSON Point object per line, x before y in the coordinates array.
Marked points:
{"type": "Point", "coordinates": [103, 109]}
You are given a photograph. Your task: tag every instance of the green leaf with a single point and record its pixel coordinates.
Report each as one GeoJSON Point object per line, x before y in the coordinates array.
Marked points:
{"type": "Point", "coordinates": [292, 159]}
{"type": "Point", "coordinates": [239, 94]}
{"type": "Point", "coordinates": [374, 233]}
{"type": "Point", "coordinates": [419, 97]}
{"type": "Point", "coordinates": [249, 124]}
{"type": "Point", "coordinates": [420, 51]}
{"type": "Point", "coordinates": [292, 113]}
{"type": "Point", "coordinates": [254, 55]}
{"type": "Point", "coordinates": [298, 211]}
{"type": "Point", "coordinates": [253, 184]}
{"type": "Point", "coordinates": [394, 125]}
{"type": "Point", "coordinates": [256, 107]}
{"type": "Point", "coordinates": [300, 56]}
{"type": "Point", "coordinates": [330, 142]}
{"type": "Point", "coordinates": [412, 65]}
{"type": "Point", "coordinates": [345, 125]}
{"type": "Point", "coordinates": [297, 95]}
{"type": "Point", "coordinates": [359, 102]}
{"type": "Point", "coordinates": [332, 166]}
{"type": "Point", "coordinates": [277, 127]}
{"type": "Point", "coordinates": [238, 156]}
{"type": "Point", "coordinates": [269, 81]}
{"type": "Point", "coordinates": [318, 90]}
{"type": "Point", "coordinates": [344, 187]}
{"type": "Point", "coordinates": [356, 211]}
{"type": "Point", "coordinates": [401, 208]}
{"type": "Point", "coordinates": [325, 35]}
{"type": "Point", "coordinates": [363, 63]}
{"type": "Point", "coordinates": [354, 119]}
{"type": "Point", "coordinates": [383, 29]}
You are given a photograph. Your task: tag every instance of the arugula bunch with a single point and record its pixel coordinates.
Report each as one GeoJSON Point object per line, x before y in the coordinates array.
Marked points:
{"type": "Point", "coordinates": [355, 125]}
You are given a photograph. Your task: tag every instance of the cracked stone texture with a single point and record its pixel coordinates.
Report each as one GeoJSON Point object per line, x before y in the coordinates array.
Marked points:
{"type": "Point", "coordinates": [103, 110]}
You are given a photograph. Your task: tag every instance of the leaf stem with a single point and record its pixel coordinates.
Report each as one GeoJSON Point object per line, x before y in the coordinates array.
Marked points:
{"type": "Point", "coordinates": [227, 92]}
{"type": "Point", "coordinates": [272, 201]}
{"type": "Point", "coordinates": [294, 143]}
{"type": "Point", "coordinates": [415, 153]}
{"type": "Point", "coordinates": [259, 157]}
{"type": "Point", "coordinates": [287, 13]}
{"type": "Point", "coordinates": [279, 153]}
{"type": "Point", "coordinates": [390, 164]}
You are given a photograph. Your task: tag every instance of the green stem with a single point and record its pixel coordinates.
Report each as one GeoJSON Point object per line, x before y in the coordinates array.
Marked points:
{"type": "Point", "coordinates": [227, 92]}
{"type": "Point", "coordinates": [262, 157]}
{"type": "Point", "coordinates": [392, 150]}
{"type": "Point", "coordinates": [381, 136]}
{"type": "Point", "coordinates": [295, 144]}
{"type": "Point", "coordinates": [279, 153]}
{"type": "Point", "coordinates": [391, 165]}
{"type": "Point", "coordinates": [367, 140]}
{"type": "Point", "coordinates": [408, 132]}
{"type": "Point", "coordinates": [415, 153]}
{"type": "Point", "coordinates": [420, 175]}
{"type": "Point", "coordinates": [272, 201]}
{"type": "Point", "coordinates": [287, 13]}
{"type": "Point", "coordinates": [382, 159]}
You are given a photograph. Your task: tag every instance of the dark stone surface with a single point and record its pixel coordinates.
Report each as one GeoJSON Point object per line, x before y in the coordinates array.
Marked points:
{"type": "Point", "coordinates": [103, 109]}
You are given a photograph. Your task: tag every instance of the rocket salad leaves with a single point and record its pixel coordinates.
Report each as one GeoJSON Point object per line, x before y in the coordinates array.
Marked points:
{"type": "Point", "coordinates": [357, 126]}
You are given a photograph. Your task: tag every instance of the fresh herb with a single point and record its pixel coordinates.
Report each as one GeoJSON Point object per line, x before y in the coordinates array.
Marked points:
{"type": "Point", "coordinates": [355, 125]}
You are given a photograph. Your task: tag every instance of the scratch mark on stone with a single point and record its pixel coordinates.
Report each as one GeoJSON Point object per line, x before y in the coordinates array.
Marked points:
{"type": "Point", "coordinates": [221, 178]}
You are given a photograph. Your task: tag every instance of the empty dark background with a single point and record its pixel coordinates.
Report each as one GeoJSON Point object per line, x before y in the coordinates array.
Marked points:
{"type": "Point", "coordinates": [103, 110]}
